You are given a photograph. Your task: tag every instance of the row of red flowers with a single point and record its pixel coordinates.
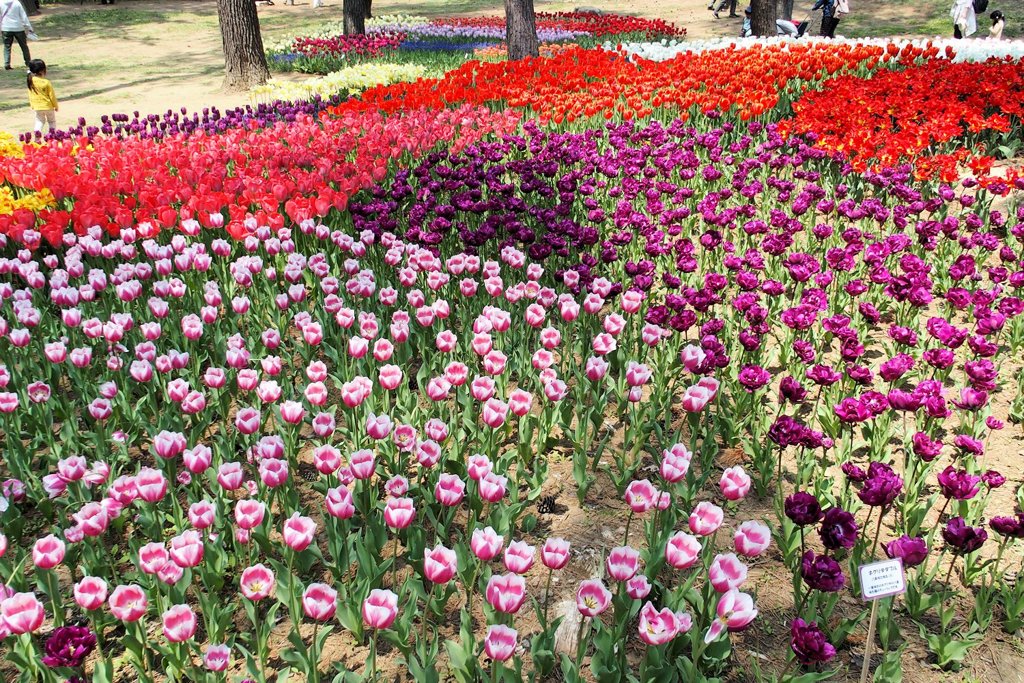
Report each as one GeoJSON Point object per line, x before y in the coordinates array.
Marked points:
{"type": "Point", "coordinates": [939, 102]}
{"type": "Point", "coordinates": [300, 169]}
{"type": "Point", "coordinates": [583, 83]}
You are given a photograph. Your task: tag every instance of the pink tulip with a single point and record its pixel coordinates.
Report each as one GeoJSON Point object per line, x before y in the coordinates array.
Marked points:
{"type": "Point", "coordinates": [399, 512]}
{"type": "Point", "coordinates": [706, 518]}
{"type": "Point", "coordinates": [249, 513]}
{"type": "Point", "coordinates": [695, 398]}
{"type": "Point", "coordinates": [202, 514]}
{"type": "Point", "coordinates": [72, 469]}
{"type": "Point", "coordinates": [217, 658]}
{"type": "Point", "coordinates": [494, 413]}
{"type": "Point", "coordinates": [500, 642]}
{"type": "Point", "coordinates": [257, 582]}
{"type": "Point", "coordinates": [179, 623]}
{"type": "Point", "coordinates": [596, 368]}
{"type": "Point", "coordinates": [298, 532]}
{"type": "Point", "coordinates": [727, 572]}
{"type": "Point", "coordinates": [478, 466]}
{"type": "Point", "coordinates": [682, 550]}
{"type": "Point", "coordinates": [22, 613]}
{"type": "Point", "coordinates": [592, 598]}
{"type": "Point", "coordinates": [380, 609]}
{"type": "Point", "coordinates": [230, 476]}
{"type": "Point", "coordinates": [735, 483]}
{"type": "Point", "coordinates": [692, 357]}
{"type": "Point", "coordinates": [198, 459]}
{"type": "Point", "coordinates": [273, 472]}
{"type": "Point", "coordinates": [735, 612]}
{"type": "Point", "coordinates": [339, 503]}
{"type": "Point", "coordinates": [92, 519]}
{"type": "Point", "coordinates": [641, 496]}
{"type": "Point", "coordinates": [638, 587]}
{"type": "Point", "coordinates": [486, 543]}
{"type": "Point", "coordinates": [247, 420]}
{"type": "Point", "coordinates": [450, 490]}
{"type": "Point", "coordinates": [128, 603]}
{"type": "Point", "coordinates": [428, 454]}
{"type": "Point", "coordinates": [152, 557]}
{"type": "Point", "coordinates": [169, 444]}
{"type": "Point", "coordinates": [439, 564]}
{"type": "Point", "coordinates": [752, 538]}
{"type": "Point", "coordinates": [326, 459]}
{"type": "Point", "coordinates": [378, 426]}
{"type": "Point", "coordinates": [48, 552]}
{"type": "Point", "coordinates": [492, 487]}
{"type": "Point", "coordinates": [622, 563]}
{"type": "Point", "coordinates": [90, 593]}
{"type": "Point", "coordinates": [519, 556]}
{"type": "Point", "coordinates": [555, 553]}
{"type": "Point", "coordinates": [506, 592]}
{"type": "Point", "coordinates": [456, 373]}
{"type": "Point", "coordinates": [151, 484]}
{"type": "Point", "coordinates": [657, 627]}
{"type": "Point", "coordinates": [362, 463]}
{"type": "Point", "coordinates": [187, 549]}
{"type": "Point", "coordinates": [319, 601]}
{"type": "Point", "coordinates": [292, 412]}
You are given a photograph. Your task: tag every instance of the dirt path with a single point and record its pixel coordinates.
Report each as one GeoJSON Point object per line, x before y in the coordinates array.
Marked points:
{"type": "Point", "coordinates": [153, 56]}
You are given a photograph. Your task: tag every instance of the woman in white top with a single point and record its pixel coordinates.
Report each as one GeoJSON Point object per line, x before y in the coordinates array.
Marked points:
{"type": "Point", "coordinates": [15, 24]}
{"type": "Point", "coordinates": [965, 22]}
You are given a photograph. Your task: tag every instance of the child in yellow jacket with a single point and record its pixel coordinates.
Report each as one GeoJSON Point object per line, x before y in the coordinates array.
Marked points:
{"type": "Point", "coordinates": [41, 97]}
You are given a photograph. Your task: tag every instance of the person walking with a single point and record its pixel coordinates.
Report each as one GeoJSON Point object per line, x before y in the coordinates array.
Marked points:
{"type": "Point", "coordinates": [15, 26]}
{"type": "Point", "coordinates": [41, 96]}
{"type": "Point", "coordinates": [831, 10]}
{"type": "Point", "coordinates": [731, 4]}
{"type": "Point", "coordinates": [965, 20]}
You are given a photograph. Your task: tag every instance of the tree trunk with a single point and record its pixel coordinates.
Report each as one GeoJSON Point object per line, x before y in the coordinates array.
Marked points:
{"type": "Point", "coordinates": [369, 9]}
{"type": "Point", "coordinates": [521, 29]}
{"type": "Point", "coordinates": [762, 20]}
{"type": "Point", "coordinates": [245, 64]}
{"type": "Point", "coordinates": [787, 10]}
{"type": "Point", "coordinates": [355, 12]}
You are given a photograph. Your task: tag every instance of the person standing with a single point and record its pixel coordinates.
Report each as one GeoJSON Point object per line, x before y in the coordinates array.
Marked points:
{"type": "Point", "coordinates": [15, 26]}
{"type": "Point", "coordinates": [41, 96]}
{"type": "Point", "coordinates": [998, 23]}
{"type": "Point", "coordinates": [965, 21]}
{"type": "Point", "coordinates": [830, 12]}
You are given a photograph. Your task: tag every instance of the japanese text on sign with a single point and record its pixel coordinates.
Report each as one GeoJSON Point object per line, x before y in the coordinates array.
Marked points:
{"type": "Point", "coordinates": [882, 579]}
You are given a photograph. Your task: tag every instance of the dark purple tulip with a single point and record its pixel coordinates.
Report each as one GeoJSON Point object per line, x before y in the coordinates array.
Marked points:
{"type": "Point", "coordinates": [911, 549]}
{"type": "Point", "coordinates": [68, 646]}
{"type": "Point", "coordinates": [1011, 527]}
{"type": "Point", "coordinates": [809, 643]}
{"type": "Point", "coordinates": [881, 487]}
{"type": "Point", "coordinates": [969, 444]}
{"type": "Point", "coordinates": [993, 479]}
{"type": "Point", "coordinates": [963, 538]}
{"type": "Point", "coordinates": [821, 572]}
{"type": "Point", "coordinates": [803, 509]}
{"type": "Point", "coordinates": [925, 448]}
{"type": "Point", "coordinates": [854, 473]}
{"type": "Point", "coordinates": [791, 390]}
{"type": "Point", "coordinates": [958, 484]}
{"type": "Point", "coordinates": [852, 411]}
{"type": "Point", "coordinates": [838, 529]}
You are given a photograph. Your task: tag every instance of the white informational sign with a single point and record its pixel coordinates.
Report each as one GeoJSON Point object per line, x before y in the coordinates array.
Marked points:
{"type": "Point", "coordinates": [882, 579]}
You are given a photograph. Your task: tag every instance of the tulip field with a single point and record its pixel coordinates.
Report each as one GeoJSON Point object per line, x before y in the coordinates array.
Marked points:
{"type": "Point", "coordinates": [610, 365]}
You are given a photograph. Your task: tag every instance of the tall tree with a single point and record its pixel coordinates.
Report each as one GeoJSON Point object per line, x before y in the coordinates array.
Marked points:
{"type": "Point", "coordinates": [355, 13]}
{"type": "Point", "coordinates": [245, 64]}
{"type": "Point", "coordinates": [787, 10]}
{"type": "Point", "coordinates": [762, 20]}
{"type": "Point", "coordinates": [521, 29]}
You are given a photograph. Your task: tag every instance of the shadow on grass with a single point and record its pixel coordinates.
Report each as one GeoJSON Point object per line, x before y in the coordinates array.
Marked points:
{"type": "Point", "coordinates": [94, 92]}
